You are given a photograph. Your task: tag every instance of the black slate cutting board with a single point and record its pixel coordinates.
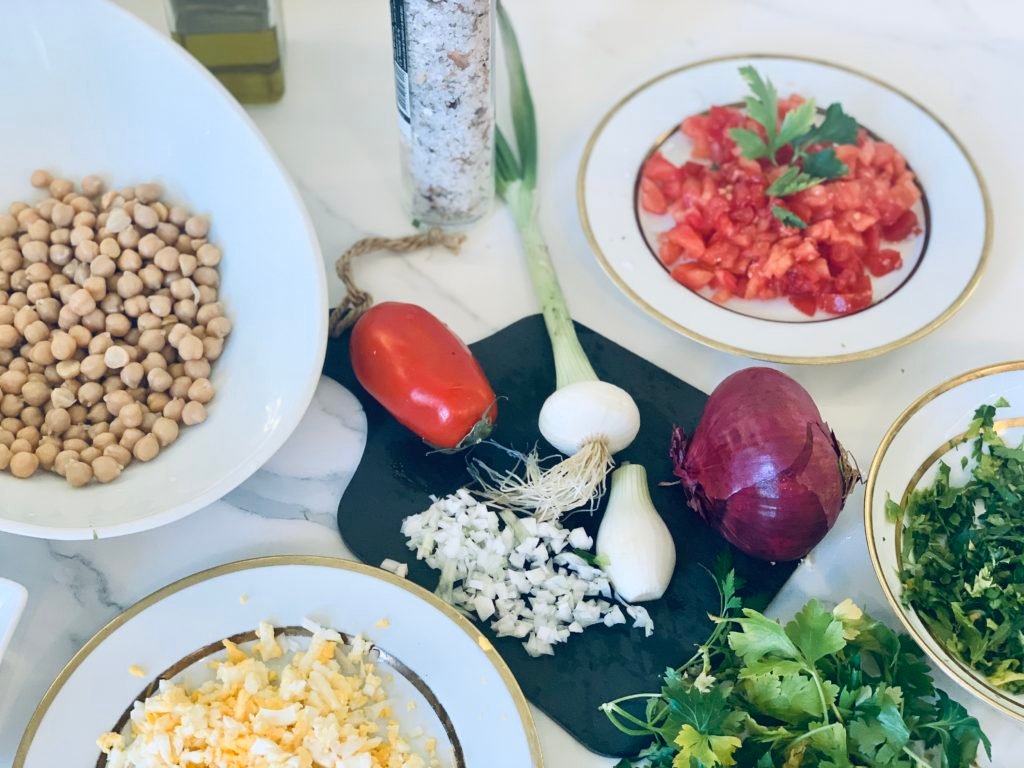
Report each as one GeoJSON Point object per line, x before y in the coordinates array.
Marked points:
{"type": "Point", "coordinates": [397, 474]}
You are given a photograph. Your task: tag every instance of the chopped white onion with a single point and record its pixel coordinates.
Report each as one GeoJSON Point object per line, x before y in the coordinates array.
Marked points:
{"type": "Point", "coordinates": [522, 575]}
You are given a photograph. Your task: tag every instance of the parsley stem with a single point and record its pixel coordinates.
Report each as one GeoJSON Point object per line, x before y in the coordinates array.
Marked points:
{"type": "Point", "coordinates": [917, 759]}
{"type": "Point", "coordinates": [617, 714]}
{"type": "Point", "coordinates": [809, 733]}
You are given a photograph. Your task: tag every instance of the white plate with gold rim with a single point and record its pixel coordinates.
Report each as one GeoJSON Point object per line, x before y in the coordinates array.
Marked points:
{"type": "Point", "coordinates": [907, 459]}
{"type": "Point", "coordinates": [940, 268]}
{"type": "Point", "coordinates": [464, 694]}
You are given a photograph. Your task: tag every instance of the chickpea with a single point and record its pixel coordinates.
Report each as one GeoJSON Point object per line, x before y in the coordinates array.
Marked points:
{"type": "Point", "coordinates": [8, 225]}
{"type": "Point", "coordinates": [92, 186]}
{"type": "Point", "coordinates": [47, 454]}
{"type": "Point", "coordinates": [187, 264]}
{"type": "Point", "coordinates": [186, 311]}
{"type": "Point", "coordinates": [154, 360]}
{"type": "Point", "coordinates": [118, 453]}
{"type": "Point", "coordinates": [197, 369]}
{"type": "Point", "coordinates": [21, 445]}
{"type": "Point", "coordinates": [5, 456]}
{"type": "Point", "coordinates": [117, 400]}
{"type": "Point", "coordinates": [208, 255]}
{"type": "Point", "coordinates": [62, 398]}
{"type": "Point", "coordinates": [93, 367]}
{"type": "Point", "coordinates": [136, 306]}
{"type": "Point", "coordinates": [116, 358]}
{"type": "Point", "coordinates": [78, 413]}
{"type": "Point", "coordinates": [41, 354]}
{"type": "Point", "coordinates": [40, 179]}
{"type": "Point", "coordinates": [83, 219]}
{"type": "Point", "coordinates": [112, 304]}
{"type": "Point", "coordinates": [118, 220]}
{"type": "Point", "coordinates": [24, 464]}
{"type": "Point", "coordinates": [35, 392]}
{"type": "Point", "coordinates": [49, 310]}
{"type": "Point", "coordinates": [152, 277]}
{"type": "Point", "coordinates": [131, 415]}
{"type": "Point", "coordinates": [145, 216]}
{"type": "Point", "coordinates": [167, 232]}
{"type": "Point", "coordinates": [82, 302]}
{"type": "Point", "coordinates": [152, 340]}
{"type": "Point", "coordinates": [100, 344]}
{"type": "Point", "coordinates": [176, 370]}
{"type": "Point", "coordinates": [197, 226]}
{"type": "Point", "coordinates": [12, 381]}
{"type": "Point", "coordinates": [61, 187]}
{"type": "Point", "coordinates": [150, 245]}
{"type": "Point", "coordinates": [212, 348]}
{"type": "Point", "coordinates": [191, 348]}
{"type": "Point", "coordinates": [80, 334]}
{"type": "Point", "coordinates": [129, 261]}
{"type": "Point", "coordinates": [193, 413]}
{"type": "Point", "coordinates": [75, 444]}
{"type": "Point", "coordinates": [40, 230]}
{"type": "Point", "coordinates": [105, 468]}
{"type": "Point", "coordinates": [156, 401]}
{"type": "Point", "coordinates": [147, 448]}
{"type": "Point", "coordinates": [174, 409]}
{"type": "Point", "coordinates": [62, 214]}
{"type": "Point", "coordinates": [129, 285]}
{"type": "Point", "coordinates": [9, 336]}
{"type": "Point", "coordinates": [98, 413]}
{"type": "Point", "coordinates": [180, 386]}
{"type": "Point", "coordinates": [147, 321]}
{"type": "Point", "coordinates": [17, 300]}
{"type": "Point", "coordinates": [80, 234]}
{"type": "Point", "coordinates": [78, 473]}
{"type": "Point", "coordinates": [113, 383]}
{"type": "Point", "coordinates": [38, 291]}
{"type": "Point", "coordinates": [62, 460]}
{"type": "Point", "coordinates": [132, 374]}
{"type": "Point", "coordinates": [101, 436]}
{"type": "Point", "coordinates": [159, 380]}
{"type": "Point", "coordinates": [167, 258]}
{"type": "Point", "coordinates": [117, 324]}
{"type": "Point", "coordinates": [129, 437]}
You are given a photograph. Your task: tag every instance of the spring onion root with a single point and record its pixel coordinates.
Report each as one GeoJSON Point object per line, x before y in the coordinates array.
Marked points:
{"type": "Point", "coordinates": [578, 481]}
{"type": "Point", "coordinates": [585, 418]}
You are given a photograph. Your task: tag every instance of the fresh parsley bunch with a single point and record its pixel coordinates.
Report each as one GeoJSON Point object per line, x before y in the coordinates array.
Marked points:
{"type": "Point", "coordinates": [830, 689]}
{"type": "Point", "coordinates": [963, 569]}
{"type": "Point", "coordinates": [806, 168]}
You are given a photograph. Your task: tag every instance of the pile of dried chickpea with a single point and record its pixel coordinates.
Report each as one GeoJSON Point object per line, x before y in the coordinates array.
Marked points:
{"type": "Point", "coordinates": [109, 322]}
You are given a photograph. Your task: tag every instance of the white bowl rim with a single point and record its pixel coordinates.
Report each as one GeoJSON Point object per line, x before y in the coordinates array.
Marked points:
{"type": "Point", "coordinates": [973, 683]}
{"type": "Point", "coordinates": [298, 405]}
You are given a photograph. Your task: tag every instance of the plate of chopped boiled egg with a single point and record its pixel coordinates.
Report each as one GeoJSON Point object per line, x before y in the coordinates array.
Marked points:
{"type": "Point", "coordinates": [285, 662]}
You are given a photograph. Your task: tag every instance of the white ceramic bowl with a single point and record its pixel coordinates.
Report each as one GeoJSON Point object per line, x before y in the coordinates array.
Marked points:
{"type": "Point", "coordinates": [911, 449]}
{"type": "Point", "coordinates": [90, 89]}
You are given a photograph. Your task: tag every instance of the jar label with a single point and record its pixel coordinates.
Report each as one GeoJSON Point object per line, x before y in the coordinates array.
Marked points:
{"type": "Point", "coordinates": [400, 43]}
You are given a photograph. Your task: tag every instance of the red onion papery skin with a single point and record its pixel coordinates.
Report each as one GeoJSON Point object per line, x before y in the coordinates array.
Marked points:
{"type": "Point", "coordinates": [762, 468]}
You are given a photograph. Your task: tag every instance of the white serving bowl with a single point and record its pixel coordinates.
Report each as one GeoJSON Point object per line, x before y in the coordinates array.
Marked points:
{"type": "Point", "coordinates": [911, 449]}
{"type": "Point", "coordinates": [90, 89]}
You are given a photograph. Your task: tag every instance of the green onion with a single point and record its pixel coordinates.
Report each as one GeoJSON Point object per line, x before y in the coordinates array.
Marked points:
{"type": "Point", "coordinates": [585, 418]}
{"type": "Point", "coordinates": [516, 179]}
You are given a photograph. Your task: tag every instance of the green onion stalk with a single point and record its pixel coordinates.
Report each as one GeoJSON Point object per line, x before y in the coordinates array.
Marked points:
{"type": "Point", "coordinates": [585, 418]}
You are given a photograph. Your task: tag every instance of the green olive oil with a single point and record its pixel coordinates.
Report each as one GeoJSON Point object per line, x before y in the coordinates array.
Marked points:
{"type": "Point", "coordinates": [237, 41]}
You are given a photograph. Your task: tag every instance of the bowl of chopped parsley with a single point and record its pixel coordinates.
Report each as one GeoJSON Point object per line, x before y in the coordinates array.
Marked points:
{"type": "Point", "coordinates": [944, 517]}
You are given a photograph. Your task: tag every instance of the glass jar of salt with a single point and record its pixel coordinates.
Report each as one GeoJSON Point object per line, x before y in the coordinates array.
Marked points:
{"type": "Point", "coordinates": [443, 52]}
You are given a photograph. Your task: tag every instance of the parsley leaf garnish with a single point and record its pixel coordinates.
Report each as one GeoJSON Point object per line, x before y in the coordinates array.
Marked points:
{"type": "Point", "coordinates": [834, 689]}
{"type": "Point", "coordinates": [798, 131]}
{"type": "Point", "coordinates": [788, 218]}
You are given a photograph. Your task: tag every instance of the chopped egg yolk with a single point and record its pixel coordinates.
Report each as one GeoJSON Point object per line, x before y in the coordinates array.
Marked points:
{"type": "Point", "coordinates": [325, 706]}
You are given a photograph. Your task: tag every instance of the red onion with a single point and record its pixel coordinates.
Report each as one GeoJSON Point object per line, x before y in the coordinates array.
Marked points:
{"type": "Point", "coordinates": [763, 469]}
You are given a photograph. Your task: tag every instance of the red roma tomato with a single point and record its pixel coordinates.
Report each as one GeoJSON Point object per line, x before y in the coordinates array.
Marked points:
{"type": "Point", "coordinates": [423, 375]}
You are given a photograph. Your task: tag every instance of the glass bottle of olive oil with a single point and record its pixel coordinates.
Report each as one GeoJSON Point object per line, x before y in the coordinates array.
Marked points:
{"type": "Point", "coordinates": [239, 41]}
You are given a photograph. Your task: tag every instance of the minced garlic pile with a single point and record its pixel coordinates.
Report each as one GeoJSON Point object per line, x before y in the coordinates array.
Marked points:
{"type": "Point", "coordinates": [327, 706]}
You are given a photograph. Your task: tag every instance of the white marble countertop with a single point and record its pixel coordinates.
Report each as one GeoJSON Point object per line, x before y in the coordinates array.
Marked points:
{"type": "Point", "coordinates": [334, 130]}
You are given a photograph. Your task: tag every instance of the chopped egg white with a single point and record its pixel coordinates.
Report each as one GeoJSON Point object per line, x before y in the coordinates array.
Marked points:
{"type": "Point", "coordinates": [523, 577]}
{"type": "Point", "coordinates": [324, 706]}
